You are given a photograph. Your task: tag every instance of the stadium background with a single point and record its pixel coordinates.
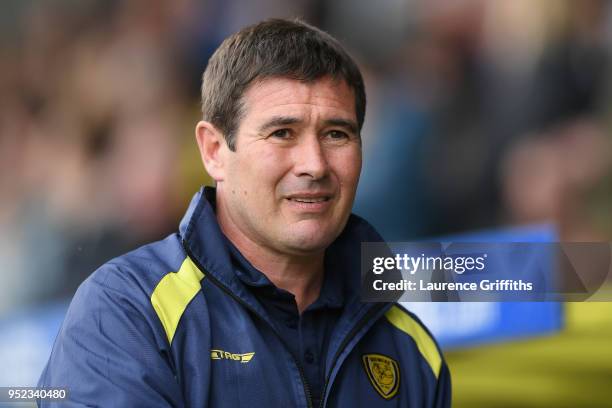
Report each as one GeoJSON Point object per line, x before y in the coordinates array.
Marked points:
{"type": "Point", "coordinates": [481, 114]}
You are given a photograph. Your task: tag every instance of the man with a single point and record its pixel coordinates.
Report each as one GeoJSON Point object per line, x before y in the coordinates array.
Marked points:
{"type": "Point", "coordinates": [255, 302]}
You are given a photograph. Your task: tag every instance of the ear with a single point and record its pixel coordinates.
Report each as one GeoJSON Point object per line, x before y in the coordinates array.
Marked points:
{"type": "Point", "coordinates": [212, 145]}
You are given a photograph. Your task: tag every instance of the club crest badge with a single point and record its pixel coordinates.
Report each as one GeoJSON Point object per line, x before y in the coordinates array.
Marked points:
{"type": "Point", "coordinates": [384, 374]}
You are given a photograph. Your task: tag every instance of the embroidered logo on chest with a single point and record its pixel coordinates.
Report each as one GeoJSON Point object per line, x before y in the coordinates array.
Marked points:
{"type": "Point", "coordinates": [225, 355]}
{"type": "Point", "coordinates": [383, 373]}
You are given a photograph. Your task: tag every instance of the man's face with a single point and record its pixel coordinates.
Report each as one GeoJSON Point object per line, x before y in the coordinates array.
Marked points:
{"type": "Point", "coordinates": [290, 184]}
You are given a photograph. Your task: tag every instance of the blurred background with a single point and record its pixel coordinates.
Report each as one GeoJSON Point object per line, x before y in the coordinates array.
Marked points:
{"type": "Point", "coordinates": [481, 115]}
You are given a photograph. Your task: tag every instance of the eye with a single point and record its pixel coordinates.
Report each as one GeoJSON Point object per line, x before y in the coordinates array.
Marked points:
{"type": "Point", "coordinates": [337, 137]}
{"type": "Point", "coordinates": [337, 134]}
{"type": "Point", "coordinates": [281, 134]}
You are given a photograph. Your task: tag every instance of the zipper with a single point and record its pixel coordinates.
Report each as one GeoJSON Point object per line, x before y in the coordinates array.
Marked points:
{"type": "Point", "coordinates": [305, 385]}
{"type": "Point", "coordinates": [346, 340]}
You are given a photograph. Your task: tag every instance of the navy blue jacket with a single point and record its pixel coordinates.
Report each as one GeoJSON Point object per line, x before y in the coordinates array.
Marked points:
{"type": "Point", "coordinates": [170, 325]}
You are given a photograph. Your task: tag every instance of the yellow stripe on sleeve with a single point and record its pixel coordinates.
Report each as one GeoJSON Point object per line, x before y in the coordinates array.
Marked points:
{"type": "Point", "coordinates": [173, 293]}
{"type": "Point", "coordinates": [423, 340]}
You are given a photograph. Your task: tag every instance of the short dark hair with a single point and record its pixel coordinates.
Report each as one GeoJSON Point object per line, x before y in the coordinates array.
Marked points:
{"type": "Point", "coordinates": [272, 48]}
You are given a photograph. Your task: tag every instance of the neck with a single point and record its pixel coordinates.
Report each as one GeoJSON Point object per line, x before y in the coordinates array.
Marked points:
{"type": "Point", "coordinates": [298, 274]}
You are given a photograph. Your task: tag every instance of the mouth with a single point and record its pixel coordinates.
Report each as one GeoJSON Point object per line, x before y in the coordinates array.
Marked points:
{"type": "Point", "coordinates": [310, 202]}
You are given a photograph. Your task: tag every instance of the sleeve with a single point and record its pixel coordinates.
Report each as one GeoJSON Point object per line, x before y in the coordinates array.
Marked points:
{"type": "Point", "coordinates": [107, 353]}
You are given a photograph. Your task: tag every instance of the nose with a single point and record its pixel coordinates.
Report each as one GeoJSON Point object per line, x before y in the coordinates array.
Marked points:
{"type": "Point", "coordinates": [311, 158]}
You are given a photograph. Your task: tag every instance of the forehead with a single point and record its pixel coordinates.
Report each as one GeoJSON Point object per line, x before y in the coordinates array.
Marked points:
{"type": "Point", "coordinates": [276, 95]}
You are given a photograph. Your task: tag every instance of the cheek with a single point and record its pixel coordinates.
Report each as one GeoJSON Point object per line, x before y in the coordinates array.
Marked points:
{"type": "Point", "coordinates": [259, 172]}
{"type": "Point", "coordinates": [348, 169]}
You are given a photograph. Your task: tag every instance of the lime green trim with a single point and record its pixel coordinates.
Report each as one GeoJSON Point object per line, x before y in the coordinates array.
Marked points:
{"type": "Point", "coordinates": [173, 293]}
{"type": "Point", "coordinates": [403, 321]}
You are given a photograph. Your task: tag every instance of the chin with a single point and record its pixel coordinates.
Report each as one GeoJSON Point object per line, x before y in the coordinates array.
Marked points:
{"type": "Point", "coordinates": [309, 242]}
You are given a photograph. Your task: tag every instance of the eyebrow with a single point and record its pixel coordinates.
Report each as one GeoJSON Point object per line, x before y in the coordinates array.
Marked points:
{"type": "Point", "coordinates": [277, 121]}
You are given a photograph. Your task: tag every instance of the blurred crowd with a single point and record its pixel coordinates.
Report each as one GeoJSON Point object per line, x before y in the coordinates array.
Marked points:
{"type": "Point", "coordinates": [480, 114]}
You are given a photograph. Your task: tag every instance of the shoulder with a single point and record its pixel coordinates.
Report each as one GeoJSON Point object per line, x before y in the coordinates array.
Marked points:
{"type": "Point", "coordinates": [158, 278]}
{"type": "Point", "coordinates": [140, 270]}
{"type": "Point", "coordinates": [408, 327]}
{"type": "Point", "coordinates": [145, 285]}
